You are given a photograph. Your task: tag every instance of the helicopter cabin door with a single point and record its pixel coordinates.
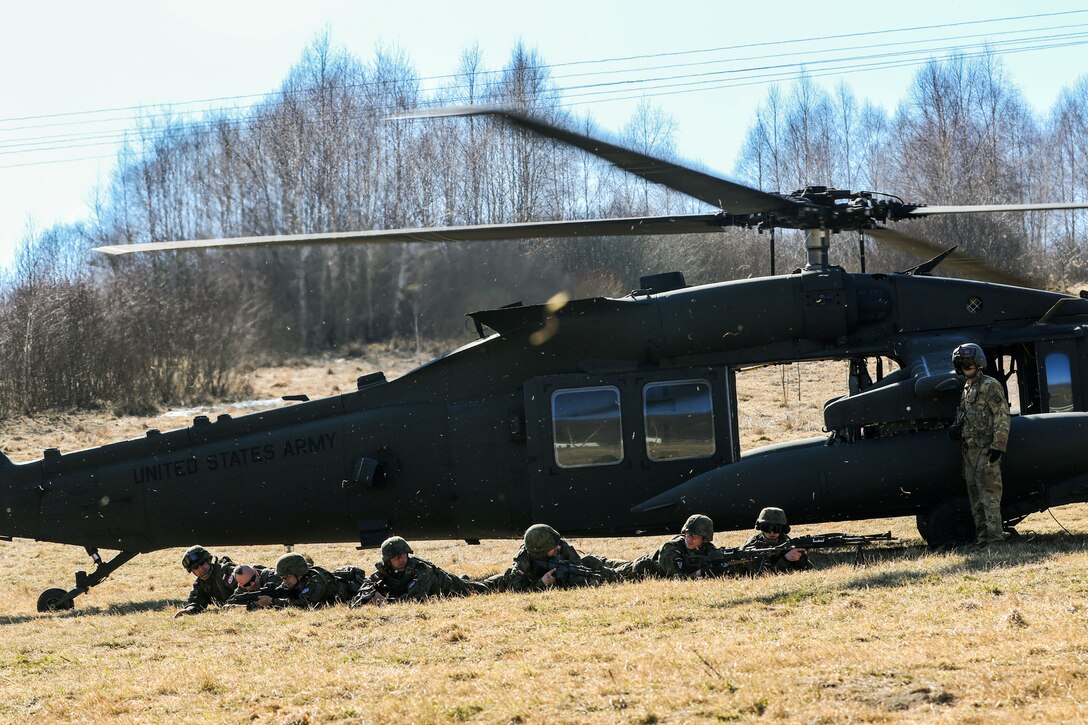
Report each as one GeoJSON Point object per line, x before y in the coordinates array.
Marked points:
{"type": "Point", "coordinates": [598, 444]}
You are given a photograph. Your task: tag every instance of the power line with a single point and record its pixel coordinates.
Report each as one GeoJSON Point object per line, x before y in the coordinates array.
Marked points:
{"type": "Point", "coordinates": [837, 49]}
{"type": "Point", "coordinates": [604, 91]}
{"type": "Point", "coordinates": [764, 79]}
{"type": "Point", "coordinates": [58, 161]}
{"type": "Point", "coordinates": [829, 37]}
{"type": "Point", "coordinates": [982, 50]}
{"type": "Point", "coordinates": [613, 90]}
{"type": "Point", "coordinates": [546, 66]}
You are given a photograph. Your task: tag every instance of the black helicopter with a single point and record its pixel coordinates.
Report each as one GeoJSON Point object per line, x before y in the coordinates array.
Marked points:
{"type": "Point", "coordinates": [611, 417]}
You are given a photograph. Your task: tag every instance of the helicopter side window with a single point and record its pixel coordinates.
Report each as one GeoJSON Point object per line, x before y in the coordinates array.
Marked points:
{"type": "Point", "coordinates": [1059, 383]}
{"type": "Point", "coordinates": [586, 427]}
{"type": "Point", "coordinates": [679, 417]}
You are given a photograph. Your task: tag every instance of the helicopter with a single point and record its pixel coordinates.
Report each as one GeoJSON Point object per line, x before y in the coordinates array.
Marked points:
{"type": "Point", "coordinates": [612, 416]}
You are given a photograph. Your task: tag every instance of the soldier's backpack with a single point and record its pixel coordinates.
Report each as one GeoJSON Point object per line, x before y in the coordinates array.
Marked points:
{"type": "Point", "coordinates": [349, 580]}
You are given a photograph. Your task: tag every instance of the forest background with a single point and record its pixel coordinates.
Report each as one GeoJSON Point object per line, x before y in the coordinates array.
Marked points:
{"type": "Point", "coordinates": [320, 154]}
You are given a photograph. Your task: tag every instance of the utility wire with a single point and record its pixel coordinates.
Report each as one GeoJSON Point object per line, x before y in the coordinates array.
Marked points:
{"type": "Point", "coordinates": [369, 84]}
{"type": "Point", "coordinates": [766, 73]}
{"type": "Point", "coordinates": [193, 130]}
{"type": "Point", "coordinates": [836, 49]}
{"type": "Point", "coordinates": [872, 62]}
{"type": "Point", "coordinates": [355, 86]}
{"type": "Point", "coordinates": [714, 86]}
{"type": "Point", "coordinates": [587, 94]}
{"type": "Point", "coordinates": [547, 66]}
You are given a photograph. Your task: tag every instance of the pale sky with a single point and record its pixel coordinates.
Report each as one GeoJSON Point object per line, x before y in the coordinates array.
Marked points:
{"type": "Point", "coordinates": [75, 57]}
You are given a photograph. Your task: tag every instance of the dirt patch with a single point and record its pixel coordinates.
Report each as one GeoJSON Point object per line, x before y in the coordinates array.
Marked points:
{"type": "Point", "coordinates": [894, 693]}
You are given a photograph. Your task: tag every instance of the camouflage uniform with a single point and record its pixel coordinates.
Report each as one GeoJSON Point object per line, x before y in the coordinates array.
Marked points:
{"type": "Point", "coordinates": [526, 572]}
{"type": "Point", "coordinates": [983, 418]}
{"type": "Point", "coordinates": [268, 577]}
{"type": "Point", "coordinates": [674, 560]}
{"type": "Point", "coordinates": [420, 580]}
{"type": "Point", "coordinates": [216, 589]}
{"type": "Point", "coordinates": [268, 581]}
{"type": "Point", "coordinates": [778, 564]}
{"type": "Point", "coordinates": [316, 588]}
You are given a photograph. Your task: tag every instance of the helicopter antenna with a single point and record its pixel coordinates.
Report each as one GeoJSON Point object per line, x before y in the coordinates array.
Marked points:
{"type": "Point", "coordinates": [772, 251]}
{"type": "Point", "coordinates": [927, 267]}
{"type": "Point", "coordinates": [861, 249]}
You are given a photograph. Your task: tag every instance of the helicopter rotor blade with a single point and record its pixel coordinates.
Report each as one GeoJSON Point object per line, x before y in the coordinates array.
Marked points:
{"type": "Point", "coordinates": [730, 196]}
{"type": "Point", "coordinates": [962, 264]}
{"type": "Point", "coordinates": [620, 227]}
{"type": "Point", "coordinates": [921, 211]}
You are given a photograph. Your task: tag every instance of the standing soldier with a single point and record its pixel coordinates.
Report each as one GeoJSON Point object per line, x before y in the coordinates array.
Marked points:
{"type": "Point", "coordinates": [214, 580]}
{"type": "Point", "coordinates": [399, 576]}
{"type": "Point", "coordinates": [772, 530]}
{"type": "Point", "coordinates": [982, 427]}
{"type": "Point", "coordinates": [688, 556]}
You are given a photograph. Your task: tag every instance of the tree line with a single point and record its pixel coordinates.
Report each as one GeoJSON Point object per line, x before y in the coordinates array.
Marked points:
{"type": "Point", "coordinates": [963, 134]}
{"type": "Point", "coordinates": [322, 155]}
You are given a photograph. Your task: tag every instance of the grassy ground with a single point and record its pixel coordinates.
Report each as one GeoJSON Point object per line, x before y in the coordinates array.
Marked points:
{"type": "Point", "coordinates": [911, 635]}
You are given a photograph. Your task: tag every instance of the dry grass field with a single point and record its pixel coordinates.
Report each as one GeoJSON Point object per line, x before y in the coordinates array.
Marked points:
{"type": "Point", "coordinates": [909, 636]}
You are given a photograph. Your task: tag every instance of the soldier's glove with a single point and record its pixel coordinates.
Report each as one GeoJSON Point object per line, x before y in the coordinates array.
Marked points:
{"type": "Point", "coordinates": [995, 455]}
{"type": "Point", "coordinates": [954, 432]}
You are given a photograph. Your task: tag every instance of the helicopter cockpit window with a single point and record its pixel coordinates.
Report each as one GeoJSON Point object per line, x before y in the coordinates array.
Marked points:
{"type": "Point", "coordinates": [1059, 383]}
{"type": "Point", "coordinates": [679, 418]}
{"type": "Point", "coordinates": [586, 427]}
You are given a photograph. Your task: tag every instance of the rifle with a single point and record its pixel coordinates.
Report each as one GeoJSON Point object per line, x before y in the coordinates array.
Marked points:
{"type": "Point", "coordinates": [719, 562]}
{"type": "Point", "coordinates": [377, 585]}
{"type": "Point", "coordinates": [566, 569]}
{"type": "Point", "coordinates": [837, 540]}
{"type": "Point", "coordinates": [724, 560]}
{"type": "Point", "coordinates": [831, 541]}
{"type": "Point", "coordinates": [366, 594]}
{"type": "Point", "coordinates": [249, 599]}
{"type": "Point", "coordinates": [813, 541]}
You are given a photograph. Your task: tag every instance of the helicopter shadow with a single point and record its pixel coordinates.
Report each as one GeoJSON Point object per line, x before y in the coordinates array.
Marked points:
{"type": "Point", "coordinates": [154, 605]}
{"type": "Point", "coordinates": [1017, 552]}
{"type": "Point", "coordinates": [1014, 553]}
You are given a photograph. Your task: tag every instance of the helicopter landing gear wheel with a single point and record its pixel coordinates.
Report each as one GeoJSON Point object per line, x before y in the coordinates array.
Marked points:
{"type": "Point", "coordinates": [55, 600]}
{"type": "Point", "coordinates": [947, 524]}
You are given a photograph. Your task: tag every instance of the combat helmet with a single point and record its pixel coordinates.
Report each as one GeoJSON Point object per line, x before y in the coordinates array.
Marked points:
{"type": "Point", "coordinates": [773, 519]}
{"type": "Point", "coordinates": [393, 547]}
{"type": "Point", "coordinates": [699, 525]}
{"type": "Point", "coordinates": [540, 539]}
{"type": "Point", "coordinates": [195, 556]}
{"type": "Point", "coordinates": [294, 564]}
{"type": "Point", "coordinates": [968, 353]}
